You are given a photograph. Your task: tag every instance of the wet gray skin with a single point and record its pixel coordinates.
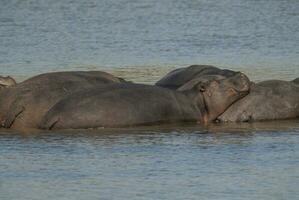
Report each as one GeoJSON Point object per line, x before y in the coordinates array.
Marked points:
{"type": "Point", "coordinates": [267, 100]}
{"type": "Point", "coordinates": [179, 77]}
{"type": "Point", "coordinates": [136, 104]}
{"type": "Point", "coordinates": [23, 105]}
{"type": "Point", "coordinates": [7, 81]}
{"type": "Point", "coordinates": [296, 80]}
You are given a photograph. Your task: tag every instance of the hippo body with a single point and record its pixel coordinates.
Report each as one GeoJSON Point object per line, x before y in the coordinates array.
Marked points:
{"type": "Point", "coordinates": [296, 81]}
{"type": "Point", "coordinates": [178, 77]}
{"type": "Point", "coordinates": [267, 100]}
{"type": "Point", "coordinates": [23, 105]}
{"type": "Point", "coordinates": [119, 108]}
{"type": "Point", "coordinates": [137, 104]}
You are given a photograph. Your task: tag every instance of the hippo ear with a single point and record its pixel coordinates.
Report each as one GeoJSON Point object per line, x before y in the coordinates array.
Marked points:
{"type": "Point", "coordinates": [198, 83]}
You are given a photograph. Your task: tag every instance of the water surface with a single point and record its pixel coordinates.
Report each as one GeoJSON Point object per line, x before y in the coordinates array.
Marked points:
{"type": "Point", "coordinates": [250, 161]}
{"type": "Point", "coordinates": [258, 37]}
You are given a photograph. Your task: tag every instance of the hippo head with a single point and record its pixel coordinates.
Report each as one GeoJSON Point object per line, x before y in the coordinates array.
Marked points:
{"type": "Point", "coordinates": [215, 93]}
{"type": "Point", "coordinates": [6, 81]}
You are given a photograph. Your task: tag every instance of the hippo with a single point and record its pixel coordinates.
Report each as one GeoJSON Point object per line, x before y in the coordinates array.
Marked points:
{"type": "Point", "coordinates": [137, 104]}
{"type": "Point", "coordinates": [178, 77]}
{"type": "Point", "coordinates": [267, 100]}
{"type": "Point", "coordinates": [296, 81]}
{"type": "Point", "coordinates": [7, 81]}
{"type": "Point", "coordinates": [24, 104]}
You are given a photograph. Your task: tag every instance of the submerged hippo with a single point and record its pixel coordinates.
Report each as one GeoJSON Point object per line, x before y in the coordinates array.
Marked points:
{"type": "Point", "coordinates": [7, 81]}
{"type": "Point", "coordinates": [137, 104]}
{"type": "Point", "coordinates": [23, 105]}
{"type": "Point", "coordinates": [178, 77]}
{"type": "Point", "coordinates": [267, 100]}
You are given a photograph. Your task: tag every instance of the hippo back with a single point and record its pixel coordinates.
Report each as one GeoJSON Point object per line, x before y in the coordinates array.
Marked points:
{"type": "Point", "coordinates": [34, 96]}
{"type": "Point", "coordinates": [73, 76]}
{"type": "Point", "coordinates": [178, 77]}
{"type": "Point", "coordinates": [267, 100]}
{"type": "Point", "coordinates": [296, 81]}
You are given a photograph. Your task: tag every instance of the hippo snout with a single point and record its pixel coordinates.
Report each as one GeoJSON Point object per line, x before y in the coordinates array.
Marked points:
{"type": "Point", "coordinates": [241, 82]}
{"type": "Point", "coordinates": [7, 81]}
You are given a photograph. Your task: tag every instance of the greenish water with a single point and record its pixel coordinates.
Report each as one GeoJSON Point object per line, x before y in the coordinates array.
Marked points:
{"type": "Point", "coordinates": [142, 41]}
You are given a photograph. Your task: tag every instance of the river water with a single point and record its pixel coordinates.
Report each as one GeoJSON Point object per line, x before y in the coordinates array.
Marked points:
{"type": "Point", "coordinates": [141, 41]}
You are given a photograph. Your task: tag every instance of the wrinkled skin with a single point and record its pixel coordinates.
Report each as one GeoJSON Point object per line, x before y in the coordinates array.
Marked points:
{"type": "Point", "coordinates": [7, 82]}
{"type": "Point", "coordinates": [136, 104]}
{"type": "Point", "coordinates": [178, 77]}
{"type": "Point", "coordinates": [23, 105]}
{"type": "Point", "coordinates": [267, 100]}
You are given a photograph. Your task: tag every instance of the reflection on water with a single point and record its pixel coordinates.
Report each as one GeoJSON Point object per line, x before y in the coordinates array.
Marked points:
{"type": "Point", "coordinates": [244, 161]}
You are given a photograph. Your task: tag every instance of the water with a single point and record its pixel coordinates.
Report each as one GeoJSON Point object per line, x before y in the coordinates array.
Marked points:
{"type": "Point", "coordinates": [258, 37]}
{"type": "Point", "coordinates": [251, 161]}
{"type": "Point", "coordinates": [142, 41]}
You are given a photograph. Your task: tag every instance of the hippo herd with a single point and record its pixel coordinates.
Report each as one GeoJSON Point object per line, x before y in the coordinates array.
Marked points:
{"type": "Point", "coordinates": [93, 99]}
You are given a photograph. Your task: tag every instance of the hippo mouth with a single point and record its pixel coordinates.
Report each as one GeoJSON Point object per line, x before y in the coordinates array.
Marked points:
{"type": "Point", "coordinates": [241, 89]}
{"type": "Point", "coordinates": [205, 111]}
{"type": "Point", "coordinates": [3, 84]}
{"type": "Point", "coordinates": [245, 83]}
{"type": "Point", "coordinates": [6, 81]}
{"type": "Point", "coordinates": [242, 92]}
